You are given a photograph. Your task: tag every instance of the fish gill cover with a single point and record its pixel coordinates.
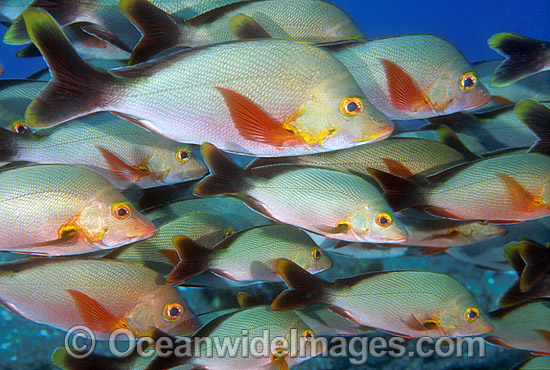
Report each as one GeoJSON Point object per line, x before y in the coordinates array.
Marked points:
{"type": "Point", "coordinates": [374, 175]}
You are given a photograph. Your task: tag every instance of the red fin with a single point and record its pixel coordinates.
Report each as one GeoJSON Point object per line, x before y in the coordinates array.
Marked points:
{"type": "Point", "coordinates": [521, 198]}
{"type": "Point", "coordinates": [430, 251]}
{"type": "Point", "coordinates": [441, 212]}
{"type": "Point", "coordinates": [414, 324]}
{"type": "Point", "coordinates": [501, 100]}
{"type": "Point", "coordinates": [497, 342]}
{"type": "Point", "coordinates": [404, 94]}
{"type": "Point", "coordinates": [345, 314]}
{"type": "Point", "coordinates": [120, 168]}
{"type": "Point", "coordinates": [397, 168]}
{"type": "Point", "coordinates": [253, 123]}
{"type": "Point", "coordinates": [544, 333]}
{"type": "Point", "coordinates": [278, 363]}
{"type": "Point", "coordinates": [172, 256]}
{"type": "Point", "coordinates": [95, 316]}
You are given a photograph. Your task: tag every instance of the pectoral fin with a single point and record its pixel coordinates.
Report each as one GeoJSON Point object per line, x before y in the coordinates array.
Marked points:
{"type": "Point", "coordinates": [340, 228]}
{"type": "Point", "coordinates": [64, 238]}
{"type": "Point", "coordinates": [521, 198]}
{"type": "Point", "coordinates": [254, 124]}
{"type": "Point", "coordinates": [278, 363]}
{"type": "Point", "coordinates": [244, 28]}
{"type": "Point", "coordinates": [95, 316]}
{"type": "Point", "coordinates": [404, 93]}
{"type": "Point", "coordinates": [121, 169]}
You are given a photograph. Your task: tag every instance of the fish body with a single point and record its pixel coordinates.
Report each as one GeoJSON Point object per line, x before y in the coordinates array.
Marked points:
{"type": "Point", "coordinates": [123, 153]}
{"type": "Point", "coordinates": [330, 203]}
{"type": "Point", "coordinates": [318, 106]}
{"type": "Point", "coordinates": [414, 76]}
{"type": "Point", "coordinates": [524, 57]}
{"type": "Point", "coordinates": [301, 20]}
{"type": "Point", "coordinates": [60, 209]}
{"type": "Point", "coordinates": [409, 303]}
{"type": "Point", "coordinates": [419, 156]}
{"type": "Point", "coordinates": [101, 294]}
{"type": "Point", "coordinates": [159, 254]}
{"type": "Point", "coordinates": [250, 255]}
{"type": "Point", "coordinates": [523, 326]}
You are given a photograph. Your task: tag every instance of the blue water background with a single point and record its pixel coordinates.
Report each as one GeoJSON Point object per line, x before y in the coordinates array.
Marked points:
{"type": "Point", "coordinates": [467, 24]}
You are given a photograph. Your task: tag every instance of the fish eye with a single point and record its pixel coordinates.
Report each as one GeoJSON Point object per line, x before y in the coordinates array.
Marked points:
{"type": "Point", "coordinates": [19, 127]}
{"type": "Point", "coordinates": [468, 81]}
{"type": "Point", "coordinates": [316, 254]}
{"type": "Point", "coordinates": [471, 314]}
{"type": "Point", "coordinates": [172, 311]}
{"type": "Point", "coordinates": [228, 232]}
{"type": "Point", "coordinates": [383, 220]}
{"type": "Point", "coordinates": [483, 222]}
{"type": "Point", "coordinates": [430, 324]}
{"type": "Point", "coordinates": [308, 335]}
{"type": "Point", "coordinates": [351, 107]}
{"type": "Point", "coordinates": [183, 154]}
{"type": "Point", "coordinates": [121, 211]}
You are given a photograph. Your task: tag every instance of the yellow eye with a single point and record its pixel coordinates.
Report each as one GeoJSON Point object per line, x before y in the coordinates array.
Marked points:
{"type": "Point", "coordinates": [471, 314]}
{"type": "Point", "coordinates": [183, 154]}
{"type": "Point", "coordinates": [308, 335]}
{"type": "Point", "coordinates": [351, 107]}
{"type": "Point", "coordinates": [383, 220]}
{"type": "Point", "coordinates": [316, 254]}
{"type": "Point", "coordinates": [468, 81]}
{"type": "Point", "coordinates": [19, 127]}
{"type": "Point", "coordinates": [172, 311]}
{"type": "Point", "coordinates": [121, 211]}
{"type": "Point", "coordinates": [228, 232]}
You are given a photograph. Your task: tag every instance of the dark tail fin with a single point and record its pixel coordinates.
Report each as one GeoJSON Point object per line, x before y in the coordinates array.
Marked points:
{"type": "Point", "coordinates": [164, 362]}
{"type": "Point", "coordinates": [535, 262]}
{"type": "Point", "coordinates": [537, 117]}
{"type": "Point", "coordinates": [159, 29]}
{"type": "Point", "coordinates": [524, 57]}
{"type": "Point", "coordinates": [194, 259]}
{"type": "Point", "coordinates": [62, 359]}
{"type": "Point", "coordinates": [304, 289]}
{"type": "Point", "coordinates": [400, 193]}
{"type": "Point", "coordinates": [64, 11]}
{"type": "Point", "coordinates": [449, 138]}
{"type": "Point", "coordinates": [8, 145]}
{"type": "Point", "coordinates": [225, 176]}
{"type": "Point", "coordinates": [76, 89]}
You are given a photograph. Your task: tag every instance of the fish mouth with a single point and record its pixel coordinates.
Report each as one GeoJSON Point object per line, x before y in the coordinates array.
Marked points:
{"type": "Point", "coordinates": [378, 136]}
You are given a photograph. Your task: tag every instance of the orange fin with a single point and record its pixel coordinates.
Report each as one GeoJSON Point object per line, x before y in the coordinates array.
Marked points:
{"type": "Point", "coordinates": [404, 94]}
{"type": "Point", "coordinates": [430, 251]}
{"type": "Point", "coordinates": [121, 168]}
{"type": "Point", "coordinates": [95, 316]}
{"type": "Point", "coordinates": [441, 212]}
{"type": "Point", "coordinates": [522, 199]}
{"type": "Point", "coordinates": [414, 324]}
{"type": "Point", "coordinates": [544, 333]}
{"type": "Point", "coordinates": [254, 124]}
{"type": "Point", "coordinates": [65, 238]}
{"type": "Point", "coordinates": [397, 168]}
{"type": "Point", "coordinates": [498, 342]}
{"type": "Point", "coordinates": [278, 363]}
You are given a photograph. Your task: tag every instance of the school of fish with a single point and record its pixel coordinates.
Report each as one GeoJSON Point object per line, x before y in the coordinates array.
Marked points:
{"type": "Point", "coordinates": [225, 143]}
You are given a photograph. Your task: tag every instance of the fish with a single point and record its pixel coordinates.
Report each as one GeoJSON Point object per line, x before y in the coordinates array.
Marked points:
{"type": "Point", "coordinates": [319, 107]}
{"type": "Point", "coordinates": [535, 363]}
{"type": "Point", "coordinates": [438, 235]}
{"type": "Point", "coordinates": [524, 57]}
{"type": "Point", "coordinates": [249, 255]}
{"type": "Point", "coordinates": [535, 87]}
{"type": "Point", "coordinates": [10, 9]}
{"type": "Point", "coordinates": [505, 188]}
{"type": "Point", "coordinates": [413, 76]}
{"type": "Point", "coordinates": [531, 261]}
{"type": "Point", "coordinates": [418, 156]}
{"type": "Point", "coordinates": [159, 254]}
{"type": "Point", "coordinates": [121, 152]}
{"type": "Point", "coordinates": [408, 303]}
{"type": "Point", "coordinates": [101, 294]}
{"type": "Point", "coordinates": [310, 21]}
{"type": "Point", "coordinates": [524, 326]}
{"type": "Point", "coordinates": [257, 321]}
{"type": "Point", "coordinates": [63, 210]}
{"type": "Point", "coordinates": [329, 203]}
{"type": "Point", "coordinates": [430, 132]}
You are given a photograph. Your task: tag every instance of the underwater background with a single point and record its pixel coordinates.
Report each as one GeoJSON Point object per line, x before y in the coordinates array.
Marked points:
{"type": "Point", "coordinates": [467, 24]}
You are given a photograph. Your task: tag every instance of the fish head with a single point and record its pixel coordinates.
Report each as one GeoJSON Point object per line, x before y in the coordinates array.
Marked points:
{"type": "Point", "coordinates": [301, 338]}
{"type": "Point", "coordinates": [165, 309]}
{"type": "Point", "coordinates": [476, 231]}
{"type": "Point", "coordinates": [110, 220]}
{"type": "Point", "coordinates": [177, 163]}
{"type": "Point", "coordinates": [456, 88]}
{"type": "Point", "coordinates": [338, 115]}
{"type": "Point", "coordinates": [463, 317]}
{"type": "Point", "coordinates": [313, 260]}
{"type": "Point", "coordinates": [377, 224]}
